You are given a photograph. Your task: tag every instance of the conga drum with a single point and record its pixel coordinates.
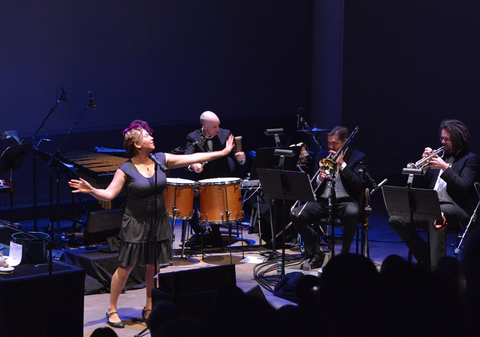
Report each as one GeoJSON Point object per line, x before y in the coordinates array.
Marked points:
{"type": "Point", "coordinates": [220, 200]}
{"type": "Point", "coordinates": [179, 197]}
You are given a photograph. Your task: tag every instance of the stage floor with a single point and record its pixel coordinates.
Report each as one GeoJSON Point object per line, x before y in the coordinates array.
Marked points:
{"type": "Point", "coordinates": [383, 242]}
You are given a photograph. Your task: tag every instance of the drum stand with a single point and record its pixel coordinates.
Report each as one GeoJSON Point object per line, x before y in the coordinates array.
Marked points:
{"type": "Point", "coordinates": [182, 239]}
{"type": "Point", "coordinates": [184, 225]}
{"type": "Point", "coordinates": [229, 226]}
{"type": "Point", "coordinates": [255, 217]}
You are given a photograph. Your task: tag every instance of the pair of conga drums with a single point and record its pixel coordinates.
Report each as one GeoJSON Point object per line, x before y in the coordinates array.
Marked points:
{"type": "Point", "coordinates": [220, 199]}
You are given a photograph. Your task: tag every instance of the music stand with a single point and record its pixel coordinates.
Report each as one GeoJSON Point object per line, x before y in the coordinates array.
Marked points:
{"type": "Point", "coordinates": [286, 185]}
{"type": "Point", "coordinates": [11, 160]}
{"type": "Point", "coordinates": [13, 156]}
{"type": "Point", "coordinates": [407, 202]}
{"type": "Point", "coordinates": [265, 158]}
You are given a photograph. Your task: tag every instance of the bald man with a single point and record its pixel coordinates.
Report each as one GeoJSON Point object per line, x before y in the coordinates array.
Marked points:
{"type": "Point", "coordinates": [210, 137]}
{"type": "Point", "coordinates": [200, 140]}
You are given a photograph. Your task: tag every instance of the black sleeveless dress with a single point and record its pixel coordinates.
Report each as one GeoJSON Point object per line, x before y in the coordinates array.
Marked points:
{"type": "Point", "coordinates": [139, 227]}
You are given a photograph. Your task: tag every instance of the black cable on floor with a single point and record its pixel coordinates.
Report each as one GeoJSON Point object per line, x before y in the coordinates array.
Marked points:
{"type": "Point", "coordinates": [266, 275]}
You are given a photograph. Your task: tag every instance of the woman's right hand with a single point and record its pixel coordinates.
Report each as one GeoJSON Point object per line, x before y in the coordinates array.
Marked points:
{"type": "Point", "coordinates": [80, 186]}
{"type": "Point", "coordinates": [228, 145]}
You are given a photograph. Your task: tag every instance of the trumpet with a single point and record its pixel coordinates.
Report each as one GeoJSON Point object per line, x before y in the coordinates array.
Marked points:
{"type": "Point", "coordinates": [422, 163]}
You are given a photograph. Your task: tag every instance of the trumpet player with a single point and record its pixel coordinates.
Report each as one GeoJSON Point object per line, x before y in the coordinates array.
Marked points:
{"type": "Point", "coordinates": [453, 177]}
{"type": "Point", "coordinates": [348, 190]}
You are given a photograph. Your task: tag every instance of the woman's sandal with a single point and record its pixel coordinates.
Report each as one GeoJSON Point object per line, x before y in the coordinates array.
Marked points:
{"type": "Point", "coordinates": [144, 313]}
{"type": "Point", "coordinates": [114, 324]}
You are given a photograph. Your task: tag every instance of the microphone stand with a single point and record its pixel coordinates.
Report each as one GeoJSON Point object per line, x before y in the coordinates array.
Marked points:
{"type": "Point", "coordinates": [310, 131]}
{"type": "Point", "coordinates": [62, 98]}
{"type": "Point", "coordinates": [331, 204]}
{"type": "Point", "coordinates": [155, 279]}
{"type": "Point", "coordinates": [57, 167]}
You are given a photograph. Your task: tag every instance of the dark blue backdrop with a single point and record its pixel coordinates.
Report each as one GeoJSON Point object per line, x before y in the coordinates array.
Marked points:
{"type": "Point", "coordinates": [162, 61]}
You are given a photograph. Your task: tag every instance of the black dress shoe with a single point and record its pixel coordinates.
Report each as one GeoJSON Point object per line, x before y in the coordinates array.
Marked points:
{"type": "Point", "coordinates": [317, 260]}
{"type": "Point", "coordinates": [119, 325]}
{"type": "Point", "coordinates": [144, 314]}
{"type": "Point", "coordinates": [194, 241]}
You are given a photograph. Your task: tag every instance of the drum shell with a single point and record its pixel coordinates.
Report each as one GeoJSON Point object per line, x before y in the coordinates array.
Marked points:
{"type": "Point", "coordinates": [179, 193]}
{"type": "Point", "coordinates": [218, 195]}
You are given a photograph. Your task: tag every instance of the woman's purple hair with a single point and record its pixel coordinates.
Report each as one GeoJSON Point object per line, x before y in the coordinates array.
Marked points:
{"type": "Point", "coordinates": [137, 123]}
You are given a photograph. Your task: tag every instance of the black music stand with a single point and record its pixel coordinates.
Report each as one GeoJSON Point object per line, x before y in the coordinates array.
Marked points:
{"type": "Point", "coordinates": [285, 185]}
{"type": "Point", "coordinates": [265, 158]}
{"type": "Point", "coordinates": [412, 203]}
{"type": "Point", "coordinates": [13, 156]}
{"type": "Point", "coordinates": [11, 160]}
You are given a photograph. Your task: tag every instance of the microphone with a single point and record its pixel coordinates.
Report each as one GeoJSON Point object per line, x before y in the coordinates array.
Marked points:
{"type": "Point", "coordinates": [155, 160]}
{"type": "Point", "coordinates": [91, 104]}
{"type": "Point", "coordinates": [383, 182]}
{"type": "Point", "coordinates": [299, 121]}
{"type": "Point", "coordinates": [63, 96]}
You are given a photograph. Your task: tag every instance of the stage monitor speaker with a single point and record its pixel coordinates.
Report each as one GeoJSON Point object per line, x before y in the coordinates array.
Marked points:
{"type": "Point", "coordinates": [192, 291]}
{"type": "Point", "coordinates": [101, 225]}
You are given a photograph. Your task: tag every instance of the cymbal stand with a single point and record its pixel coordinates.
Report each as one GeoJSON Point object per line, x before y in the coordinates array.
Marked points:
{"type": "Point", "coordinates": [473, 219]}
{"type": "Point", "coordinates": [305, 125]}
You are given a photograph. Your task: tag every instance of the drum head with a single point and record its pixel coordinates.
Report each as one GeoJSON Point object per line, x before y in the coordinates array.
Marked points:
{"type": "Point", "coordinates": [219, 181]}
{"type": "Point", "coordinates": [180, 181]}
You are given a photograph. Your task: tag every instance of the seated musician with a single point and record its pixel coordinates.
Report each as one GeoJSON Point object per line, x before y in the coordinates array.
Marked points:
{"type": "Point", "coordinates": [210, 137]}
{"type": "Point", "coordinates": [453, 177]}
{"type": "Point", "coordinates": [348, 190]}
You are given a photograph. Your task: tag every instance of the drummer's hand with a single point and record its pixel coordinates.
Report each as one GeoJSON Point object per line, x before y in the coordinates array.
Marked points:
{"type": "Point", "coordinates": [80, 186]}
{"type": "Point", "coordinates": [197, 168]}
{"type": "Point", "coordinates": [228, 145]}
{"type": "Point", "coordinates": [240, 156]}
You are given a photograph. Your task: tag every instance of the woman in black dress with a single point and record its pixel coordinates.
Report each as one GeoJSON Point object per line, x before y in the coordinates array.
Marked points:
{"type": "Point", "coordinates": [136, 180]}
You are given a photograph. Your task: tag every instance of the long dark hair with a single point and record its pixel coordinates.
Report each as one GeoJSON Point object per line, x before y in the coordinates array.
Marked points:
{"type": "Point", "coordinates": [459, 134]}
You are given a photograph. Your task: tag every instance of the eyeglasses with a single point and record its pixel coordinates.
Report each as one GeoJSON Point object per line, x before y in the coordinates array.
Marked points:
{"type": "Point", "coordinates": [334, 143]}
{"type": "Point", "coordinates": [444, 139]}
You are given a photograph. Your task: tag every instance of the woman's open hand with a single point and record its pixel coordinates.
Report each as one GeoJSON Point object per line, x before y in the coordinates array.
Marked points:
{"type": "Point", "coordinates": [80, 185]}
